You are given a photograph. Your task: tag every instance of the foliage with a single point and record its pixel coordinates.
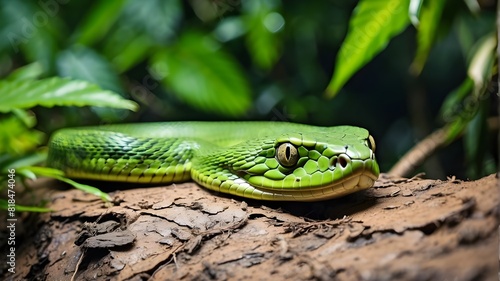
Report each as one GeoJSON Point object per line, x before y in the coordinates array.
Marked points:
{"type": "Point", "coordinates": [259, 59]}
{"type": "Point", "coordinates": [197, 70]}
{"type": "Point", "coordinates": [20, 140]}
{"type": "Point", "coordinates": [372, 26]}
{"type": "Point", "coordinates": [56, 91]}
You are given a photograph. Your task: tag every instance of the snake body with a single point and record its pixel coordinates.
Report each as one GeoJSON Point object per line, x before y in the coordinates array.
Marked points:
{"type": "Point", "coordinates": [259, 160]}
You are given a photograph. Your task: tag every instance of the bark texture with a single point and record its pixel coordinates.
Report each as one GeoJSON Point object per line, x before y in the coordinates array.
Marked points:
{"type": "Point", "coordinates": [402, 229]}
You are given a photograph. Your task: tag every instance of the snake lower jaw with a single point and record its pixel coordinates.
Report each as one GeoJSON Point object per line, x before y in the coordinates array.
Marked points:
{"type": "Point", "coordinates": [347, 186]}
{"type": "Point", "coordinates": [356, 182]}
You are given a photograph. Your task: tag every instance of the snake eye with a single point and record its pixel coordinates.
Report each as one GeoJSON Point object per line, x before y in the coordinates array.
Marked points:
{"type": "Point", "coordinates": [370, 142]}
{"type": "Point", "coordinates": [287, 154]}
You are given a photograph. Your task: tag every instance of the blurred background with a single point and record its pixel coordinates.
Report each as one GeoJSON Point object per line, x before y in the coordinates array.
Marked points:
{"type": "Point", "coordinates": [257, 60]}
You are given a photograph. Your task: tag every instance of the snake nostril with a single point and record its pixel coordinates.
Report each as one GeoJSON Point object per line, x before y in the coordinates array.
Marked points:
{"type": "Point", "coordinates": [342, 161]}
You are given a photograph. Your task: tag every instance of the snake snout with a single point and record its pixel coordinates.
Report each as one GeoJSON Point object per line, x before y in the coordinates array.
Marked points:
{"type": "Point", "coordinates": [341, 160]}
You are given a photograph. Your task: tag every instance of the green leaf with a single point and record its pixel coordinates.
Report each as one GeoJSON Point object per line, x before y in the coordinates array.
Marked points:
{"type": "Point", "coordinates": [476, 142]}
{"type": "Point", "coordinates": [98, 21]}
{"type": "Point", "coordinates": [59, 175]}
{"type": "Point", "coordinates": [4, 204]}
{"type": "Point", "coordinates": [85, 64]}
{"type": "Point", "coordinates": [131, 49]}
{"type": "Point", "coordinates": [454, 129]}
{"type": "Point", "coordinates": [156, 18]}
{"type": "Point", "coordinates": [462, 105]}
{"type": "Point", "coordinates": [10, 162]}
{"type": "Point", "coordinates": [414, 11]}
{"type": "Point", "coordinates": [43, 171]}
{"type": "Point", "coordinates": [29, 28]}
{"type": "Point", "coordinates": [430, 19]}
{"type": "Point", "coordinates": [202, 75]}
{"type": "Point", "coordinates": [210, 10]}
{"type": "Point", "coordinates": [141, 27]}
{"type": "Point", "coordinates": [57, 92]}
{"type": "Point", "coordinates": [16, 138]}
{"type": "Point", "coordinates": [28, 118]}
{"type": "Point", "coordinates": [481, 65]}
{"type": "Point", "coordinates": [263, 25]}
{"type": "Point", "coordinates": [473, 6]}
{"type": "Point", "coordinates": [31, 71]}
{"type": "Point", "coordinates": [452, 105]}
{"type": "Point", "coordinates": [371, 27]}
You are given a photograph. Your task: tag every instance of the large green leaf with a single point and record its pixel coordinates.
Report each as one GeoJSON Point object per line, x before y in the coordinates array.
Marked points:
{"type": "Point", "coordinates": [430, 18]}
{"type": "Point", "coordinates": [57, 92]}
{"type": "Point", "coordinates": [201, 74]}
{"type": "Point", "coordinates": [371, 27]}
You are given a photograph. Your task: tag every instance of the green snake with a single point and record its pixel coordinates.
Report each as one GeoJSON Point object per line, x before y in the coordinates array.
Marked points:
{"type": "Point", "coordinates": [259, 160]}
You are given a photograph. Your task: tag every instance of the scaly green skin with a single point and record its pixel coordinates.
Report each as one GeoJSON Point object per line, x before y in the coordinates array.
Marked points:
{"type": "Point", "coordinates": [238, 158]}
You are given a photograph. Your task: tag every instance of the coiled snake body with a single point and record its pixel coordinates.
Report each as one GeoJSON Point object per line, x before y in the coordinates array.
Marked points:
{"type": "Point", "coordinates": [258, 160]}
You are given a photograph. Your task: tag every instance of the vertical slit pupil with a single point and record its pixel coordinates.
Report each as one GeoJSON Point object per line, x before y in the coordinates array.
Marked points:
{"type": "Point", "coordinates": [288, 154]}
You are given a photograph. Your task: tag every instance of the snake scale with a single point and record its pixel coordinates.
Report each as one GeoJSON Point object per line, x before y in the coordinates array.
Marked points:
{"type": "Point", "coordinates": [259, 160]}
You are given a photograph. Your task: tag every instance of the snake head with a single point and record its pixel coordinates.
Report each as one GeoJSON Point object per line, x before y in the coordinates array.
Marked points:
{"type": "Point", "coordinates": [317, 166]}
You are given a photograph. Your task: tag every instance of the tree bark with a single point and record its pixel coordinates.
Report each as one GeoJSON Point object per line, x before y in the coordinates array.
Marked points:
{"type": "Point", "coordinates": [402, 229]}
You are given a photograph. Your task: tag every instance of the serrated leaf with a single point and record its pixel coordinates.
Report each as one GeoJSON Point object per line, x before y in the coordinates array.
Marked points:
{"type": "Point", "coordinates": [430, 19]}
{"type": "Point", "coordinates": [372, 26]}
{"type": "Point", "coordinates": [202, 75]}
{"type": "Point", "coordinates": [57, 92]}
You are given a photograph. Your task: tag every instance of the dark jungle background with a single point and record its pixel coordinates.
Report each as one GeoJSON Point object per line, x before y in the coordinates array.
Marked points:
{"type": "Point", "coordinates": [263, 60]}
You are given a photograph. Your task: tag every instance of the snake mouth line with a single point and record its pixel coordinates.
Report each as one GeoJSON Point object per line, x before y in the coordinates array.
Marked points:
{"type": "Point", "coordinates": [362, 173]}
{"type": "Point", "coordinates": [360, 180]}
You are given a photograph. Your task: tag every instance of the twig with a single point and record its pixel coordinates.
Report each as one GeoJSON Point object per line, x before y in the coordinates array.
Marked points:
{"type": "Point", "coordinates": [420, 152]}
